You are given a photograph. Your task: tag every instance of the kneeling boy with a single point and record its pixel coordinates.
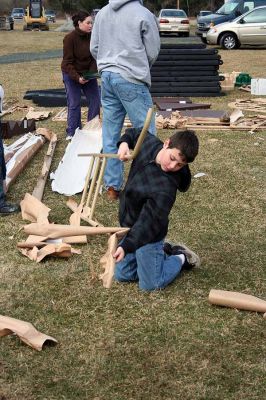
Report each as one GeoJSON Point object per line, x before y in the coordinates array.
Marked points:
{"type": "Point", "coordinates": [158, 172]}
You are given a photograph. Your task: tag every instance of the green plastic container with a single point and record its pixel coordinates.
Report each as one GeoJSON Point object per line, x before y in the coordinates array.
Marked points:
{"type": "Point", "coordinates": [243, 79]}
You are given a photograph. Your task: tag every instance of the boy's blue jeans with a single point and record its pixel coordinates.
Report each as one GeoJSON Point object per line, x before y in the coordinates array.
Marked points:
{"type": "Point", "coordinates": [120, 97]}
{"type": "Point", "coordinates": [150, 266]}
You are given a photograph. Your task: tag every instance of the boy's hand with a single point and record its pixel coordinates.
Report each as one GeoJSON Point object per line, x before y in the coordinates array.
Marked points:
{"type": "Point", "coordinates": [119, 254]}
{"type": "Point", "coordinates": [123, 151]}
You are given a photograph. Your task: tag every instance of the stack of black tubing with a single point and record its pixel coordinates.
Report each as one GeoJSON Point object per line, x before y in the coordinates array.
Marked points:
{"type": "Point", "coordinates": [50, 97]}
{"type": "Point", "coordinates": [186, 70]}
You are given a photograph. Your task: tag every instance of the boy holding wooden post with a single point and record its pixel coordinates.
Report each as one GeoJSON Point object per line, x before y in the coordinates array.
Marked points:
{"type": "Point", "coordinates": [158, 172]}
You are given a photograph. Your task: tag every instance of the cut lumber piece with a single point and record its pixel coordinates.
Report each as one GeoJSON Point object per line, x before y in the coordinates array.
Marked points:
{"type": "Point", "coordinates": [41, 241]}
{"type": "Point", "coordinates": [37, 115]}
{"type": "Point", "coordinates": [25, 331]}
{"type": "Point", "coordinates": [237, 300]}
{"type": "Point", "coordinates": [256, 105]}
{"type": "Point", "coordinates": [107, 261]}
{"type": "Point", "coordinates": [39, 188]}
{"type": "Point", "coordinates": [55, 231]}
{"type": "Point", "coordinates": [62, 250]}
{"type": "Point", "coordinates": [18, 162]}
{"type": "Point", "coordinates": [34, 210]}
{"type": "Point", "coordinates": [61, 115]}
{"type": "Point", "coordinates": [213, 116]}
{"type": "Point", "coordinates": [236, 115]}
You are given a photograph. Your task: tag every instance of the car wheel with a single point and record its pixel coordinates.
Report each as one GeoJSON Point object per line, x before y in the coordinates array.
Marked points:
{"type": "Point", "coordinates": [203, 39]}
{"type": "Point", "coordinates": [229, 41]}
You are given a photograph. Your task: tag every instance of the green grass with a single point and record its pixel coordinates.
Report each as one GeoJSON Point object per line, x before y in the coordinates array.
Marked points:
{"type": "Point", "coordinates": [122, 343]}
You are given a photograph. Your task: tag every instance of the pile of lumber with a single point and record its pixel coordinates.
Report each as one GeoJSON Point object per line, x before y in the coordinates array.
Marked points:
{"type": "Point", "coordinates": [192, 119]}
{"type": "Point", "coordinates": [253, 105]}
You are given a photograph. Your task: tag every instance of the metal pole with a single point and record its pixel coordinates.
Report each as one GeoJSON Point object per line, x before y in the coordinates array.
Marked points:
{"type": "Point", "coordinates": [177, 4]}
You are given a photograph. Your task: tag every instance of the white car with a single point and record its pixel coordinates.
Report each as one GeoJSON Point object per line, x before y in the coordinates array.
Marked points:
{"type": "Point", "coordinates": [249, 29]}
{"type": "Point", "coordinates": [173, 21]}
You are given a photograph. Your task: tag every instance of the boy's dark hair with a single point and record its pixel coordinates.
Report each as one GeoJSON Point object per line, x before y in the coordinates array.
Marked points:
{"type": "Point", "coordinates": [186, 142]}
{"type": "Point", "coordinates": [79, 16]}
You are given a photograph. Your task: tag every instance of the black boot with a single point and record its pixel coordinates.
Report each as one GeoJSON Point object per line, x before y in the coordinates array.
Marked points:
{"type": "Point", "coordinates": [7, 208]}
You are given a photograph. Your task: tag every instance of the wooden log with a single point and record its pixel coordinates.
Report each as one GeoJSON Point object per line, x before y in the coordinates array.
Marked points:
{"type": "Point", "coordinates": [54, 231]}
{"type": "Point", "coordinates": [39, 188]}
{"type": "Point", "coordinates": [237, 300]}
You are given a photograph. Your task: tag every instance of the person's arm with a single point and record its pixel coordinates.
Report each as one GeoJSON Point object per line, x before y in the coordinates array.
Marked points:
{"type": "Point", "coordinates": [130, 137]}
{"type": "Point", "coordinates": [151, 38]}
{"type": "Point", "coordinates": [69, 58]}
{"type": "Point", "coordinates": [94, 44]}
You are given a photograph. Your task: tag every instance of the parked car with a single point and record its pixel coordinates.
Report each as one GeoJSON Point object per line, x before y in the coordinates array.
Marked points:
{"type": "Point", "coordinates": [249, 29]}
{"type": "Point", "coordinates": [6, 23]}
{"type": "Point", "coordinates": [18, 13]}
{"type": "Point", "coordinates": [228, 12]}
{"type": "Point", "coordinates": [50, 14]}
{"type": "Point", "coordinates": [203, 13]}
{"type": "Point", "coordinates": [173, 21]}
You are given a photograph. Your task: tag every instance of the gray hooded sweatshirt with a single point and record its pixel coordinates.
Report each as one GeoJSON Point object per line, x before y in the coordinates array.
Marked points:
{"type": "Point", "coordinates": [125, 39]}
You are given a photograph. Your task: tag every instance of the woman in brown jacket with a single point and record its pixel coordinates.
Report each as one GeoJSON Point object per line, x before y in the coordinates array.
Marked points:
{"type": "Point", "coordinates": [78, 61]}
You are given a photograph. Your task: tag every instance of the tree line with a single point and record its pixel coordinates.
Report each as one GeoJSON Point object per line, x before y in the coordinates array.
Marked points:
{"type": "Point", "coordinates": [192, 7]}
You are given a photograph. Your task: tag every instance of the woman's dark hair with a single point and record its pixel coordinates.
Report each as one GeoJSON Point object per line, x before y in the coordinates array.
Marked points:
{"type": "Point", "coordinates": [186, 142]}
{"type": "Point", "coordinates": [79, 16]}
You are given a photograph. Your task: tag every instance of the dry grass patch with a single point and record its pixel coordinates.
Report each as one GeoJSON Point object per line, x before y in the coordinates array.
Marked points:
{"type": "Point", "coordinates": [122, 343]}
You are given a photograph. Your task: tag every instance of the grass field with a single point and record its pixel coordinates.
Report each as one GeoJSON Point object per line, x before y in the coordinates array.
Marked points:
{"type": "Point", "coordinates": [123, 343]}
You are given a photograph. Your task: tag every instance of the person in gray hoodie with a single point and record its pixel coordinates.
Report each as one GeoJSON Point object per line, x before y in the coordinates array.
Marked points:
{"type": "Point", "coordinates": [125, 42]}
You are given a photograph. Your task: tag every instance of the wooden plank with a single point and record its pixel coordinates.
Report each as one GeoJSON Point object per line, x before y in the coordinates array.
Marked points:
{"type": "Point", "coordinates": [171, 100]}
{"type": "Point", "coordinates": [181, 106]}
{"type": "Point", "coordinates": [219, 115]}
{"type": "Point", "coordinates": [200, 115]}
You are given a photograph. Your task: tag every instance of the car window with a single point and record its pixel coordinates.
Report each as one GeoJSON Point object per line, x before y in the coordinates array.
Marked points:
{"type": "Point", "coordinates": [228, 7]}
{"type": "Point", "coordinates": [173, 13]}
{"type": "Point", "coordinates": [248, 6]}
{"type": "Point", "coordinates": [258, 16]}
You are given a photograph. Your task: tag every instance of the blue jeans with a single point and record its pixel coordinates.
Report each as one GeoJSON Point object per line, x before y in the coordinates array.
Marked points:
{"type": "Point", "coordinates": [120, 97]}
{"type": "Point", "coordinates": [150, 266]}
{"type": "Point", "coordinates": [73, 94]}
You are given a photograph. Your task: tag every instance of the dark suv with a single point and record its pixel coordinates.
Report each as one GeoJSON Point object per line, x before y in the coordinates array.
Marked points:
{"type": "Point", "coordinates": [228, 12]}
